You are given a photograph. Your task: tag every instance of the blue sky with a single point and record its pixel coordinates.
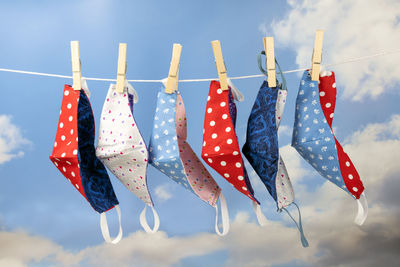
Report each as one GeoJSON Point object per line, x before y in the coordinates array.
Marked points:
{"type": "Point", "coordinates": [38, 206]}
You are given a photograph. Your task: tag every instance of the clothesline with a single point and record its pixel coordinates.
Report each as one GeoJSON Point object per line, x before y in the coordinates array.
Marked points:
{"type": "Point", "coordinates": [206, 79]}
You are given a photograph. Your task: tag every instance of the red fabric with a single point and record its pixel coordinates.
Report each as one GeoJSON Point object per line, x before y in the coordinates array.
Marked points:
{"type": "Point", "coordinates": [65, 151]}
{"type": "Point", "coordinates": [327, 97]}
{"type": "Point", "coordinates": [220, 145]}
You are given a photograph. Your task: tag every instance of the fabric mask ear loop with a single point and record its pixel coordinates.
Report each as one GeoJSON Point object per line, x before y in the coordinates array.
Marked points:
{"type": "Point", "coordinates": [299, 225]}
{"type": "Point", "coordinates": [362, 210]}
{"type": "Point", "coordinates": [145, 225]}
{"type": "Point", "coordinates": [224, 215]}
{"type": "Point", "coordinates": [132, 91]}
{"type": "Point", "coordinates": [262, 220]}
{"type": "Point", "coordinates": [260, 64]}
{"type": "Point", "coordinates": [284, 87]}
{"type": "Point", "coordinates": [85, 87]}
{"type": "Point", "coordinates": [236, 93]}
{"type": "Point", "coordinates": [104, 227]}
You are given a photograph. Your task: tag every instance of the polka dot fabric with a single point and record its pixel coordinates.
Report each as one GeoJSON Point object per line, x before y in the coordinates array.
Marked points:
{"type": "Point", "coordinates": [220, 145]}
{"type": "Point", "coordinates": [284, 188]}
{"type": "Point", "coordinates": [65, 150]}
{"type": "Point", "coordinates": [327, 95]}
{"type": "Point", "coordinates": [74, 155]}
{"type": "Point", "coordinates": [164, 149]}
{"type": "Point", "coordinates": [313, 137]}
{"type": "Point", "coordinates": [198, 177]}
{"type": "Point", "coordinates": [120, 145]}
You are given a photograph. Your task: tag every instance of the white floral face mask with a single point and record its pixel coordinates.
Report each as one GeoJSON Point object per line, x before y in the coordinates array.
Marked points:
{"type": "Point", "coordinates": [122, 149]}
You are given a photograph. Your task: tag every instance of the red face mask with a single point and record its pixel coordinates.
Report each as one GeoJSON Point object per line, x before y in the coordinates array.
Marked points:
{"type": "Point", "coordinates": [74, 156]}
{"type": "Point", "coordinates": [220, 145]}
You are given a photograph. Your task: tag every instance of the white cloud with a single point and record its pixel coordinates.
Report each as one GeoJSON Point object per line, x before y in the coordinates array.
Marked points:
{"type": "Point", "coordinates": [137, 249]}
{"type": "Point", "coordinates": [352, 29]}
{"type": "Point", "coordinates": [162, 192]}
{"type": "Point", "coordinates": [157, 249]}
{"type": "Point", "coordinates": [11, 140]}
{"type": "Point", "coordinates": [19, 248]}
{"type": "Point", "coordinates": [285, 130]}
{"type": "Point", "coordinates": [376, 154]}
{"type": "Point", "coordinates": [327, 211]}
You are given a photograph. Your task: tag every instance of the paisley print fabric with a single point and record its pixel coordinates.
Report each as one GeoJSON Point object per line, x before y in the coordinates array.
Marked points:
{"type": "Point", "coordinates": [261, 147]}
{"type": "Point", "coordinates": [95, 180]}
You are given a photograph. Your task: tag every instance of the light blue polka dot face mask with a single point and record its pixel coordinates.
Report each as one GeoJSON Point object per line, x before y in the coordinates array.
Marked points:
{"type": "Point", "coordinates": [315, 141]}
{"type": "Point", "coordinates": [173, 156]}
{"type": "Point", "coordinates": [164, 150]}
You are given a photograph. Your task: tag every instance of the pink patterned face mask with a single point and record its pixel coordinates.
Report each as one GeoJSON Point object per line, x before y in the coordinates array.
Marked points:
{"type": "Point", "coordinates": [172, 155]}
{"type": "Point", "coordinates": [122, 149]}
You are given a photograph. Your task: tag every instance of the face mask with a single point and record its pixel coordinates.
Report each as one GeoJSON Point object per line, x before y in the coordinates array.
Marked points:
{"type": "Point", "coordinates": [173, 156]}
{"type": "Point", "coordinates": [74, 155]}
{"type": "Point", "coordinates": [314, 140]}
{"type": "Point", "coordinates": [121, 147]}
{"type": "Point", "coordinates": [220, 145]}
{"type": "Point", "coordinates": [262, 150]}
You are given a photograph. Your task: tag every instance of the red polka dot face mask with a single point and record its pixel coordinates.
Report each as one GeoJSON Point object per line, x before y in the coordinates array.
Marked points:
{"type": "Point", "coordinates": [122, 149]}
{"type": "Point", "coordinates": [314, 140]}
{"type": "Point", "coordinates": [220, 145]}
{"type": "Point", "coordinates": [74, 156]}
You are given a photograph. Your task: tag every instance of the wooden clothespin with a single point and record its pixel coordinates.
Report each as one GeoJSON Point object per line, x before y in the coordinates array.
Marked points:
{"type": "Point", "coordinates": [76, 66]}
{"type": "Point", "coordinates": [172, 81]}
{"type": "Point", "coordinates": [317, 55]}
{"type": "Point", "coordinates": [121, 71]}
{"type": "Point", "coordinates": [270, 60]}
{"type": "Point", "coordinates": [219, 61]}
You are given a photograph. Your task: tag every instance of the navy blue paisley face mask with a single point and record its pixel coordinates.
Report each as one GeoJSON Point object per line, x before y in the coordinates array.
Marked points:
{"type": "Point", "coordinates": [262, 150]}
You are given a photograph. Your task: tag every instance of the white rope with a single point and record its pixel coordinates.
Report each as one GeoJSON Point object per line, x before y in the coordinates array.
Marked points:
{"type": "Point", "coordinates": [202, 80]}
{"type": "Point", "coordinates": [384, 53]}
{"type": "Point", "coordinates": [36, 73]}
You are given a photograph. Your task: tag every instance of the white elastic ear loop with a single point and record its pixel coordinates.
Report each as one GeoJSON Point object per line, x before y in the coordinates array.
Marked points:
{"type": "Point", "coordinates": [85, 87]}
{"type": "Point", "coordinates": [145, 225]}
{"type": "Point", "coordinates": [362, 210]}
{"type": "Point", "coordinates": [236, 93]}
{"type": "Point", "coordinates": [262, 220]}
{"type": "Point", "coordinates": [104, 227]}
{"type": "Point", "coordinates": [132, 91]}
{"type": "Point", "coordinates": [224, 215]}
